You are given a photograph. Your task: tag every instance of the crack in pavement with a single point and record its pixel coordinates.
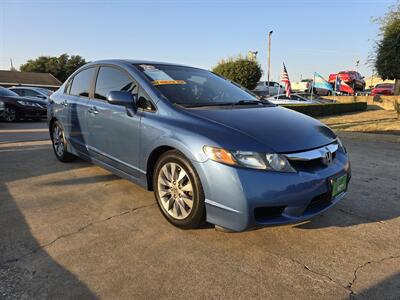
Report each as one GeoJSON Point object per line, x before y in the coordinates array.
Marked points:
{"type": "Point", "coordinates": [350, 286]}
{"type": "Point", "coordinates": [66, 235]}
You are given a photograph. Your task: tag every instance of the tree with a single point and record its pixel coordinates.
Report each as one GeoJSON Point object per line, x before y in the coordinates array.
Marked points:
{"type": "Point", "coordinates": [387, 60]}
{"type": "Point", "coordinates": [240, 70]}
{"type": "Point", "coordinates": [60, 67]}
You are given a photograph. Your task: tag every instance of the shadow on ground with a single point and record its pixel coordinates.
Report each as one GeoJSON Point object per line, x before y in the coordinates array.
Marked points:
{"type": "Point", "coordinates": [20, 276]}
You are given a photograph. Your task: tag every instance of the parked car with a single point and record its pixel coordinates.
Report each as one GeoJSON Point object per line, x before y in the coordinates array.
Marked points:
{"type": "Point", "coordinates": [305, 86]}
{"type": "Point", "coordinates": [209, 149]}
{"type": "Point", "coordinates": [351, 78]}
{"type": "Point", "coordinates": [293, 99]}
{"type": "Point", "coordinates": [265, 88]}
{"type": "Point", "coordinates": [2, 108]}
{"type": "Point", "coordinates": [17, 107]}
{"type": "Point", "coordinates": [315, 97]}
{"type": "Point", "coordinates": [383, 89]}
{"type": "Point", "coordinates": [32, 92]}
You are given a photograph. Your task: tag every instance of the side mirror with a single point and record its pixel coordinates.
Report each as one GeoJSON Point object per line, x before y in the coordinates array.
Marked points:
{"type": "Point", "coordinates": [121, 98]}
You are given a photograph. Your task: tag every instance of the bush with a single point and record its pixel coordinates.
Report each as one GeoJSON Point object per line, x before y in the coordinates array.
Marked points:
{"type": "Point", "coordinates": [240, 70]}
{"type": "Point", "coordinates": [319, 110]}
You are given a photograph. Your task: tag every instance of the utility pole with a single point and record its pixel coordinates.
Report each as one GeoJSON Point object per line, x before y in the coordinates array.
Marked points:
{"type": "Point", "coordinates": [269, 55]}
{"type": "Point", "coordinates": [12, 65]}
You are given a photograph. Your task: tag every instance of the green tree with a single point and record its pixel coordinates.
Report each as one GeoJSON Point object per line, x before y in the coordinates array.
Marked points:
{"type": "Point", "coordinates": [387, 61]}
{"type": "Point", "coordinates": [60, 67]}
{"type": "Point", "coordinates": [240, 70]}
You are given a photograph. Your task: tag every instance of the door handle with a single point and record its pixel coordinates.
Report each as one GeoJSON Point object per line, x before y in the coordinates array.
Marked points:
{"type": "Point", "coordinates": [93, 110]}
{"type": "Point", "coordinates": [64, 103]}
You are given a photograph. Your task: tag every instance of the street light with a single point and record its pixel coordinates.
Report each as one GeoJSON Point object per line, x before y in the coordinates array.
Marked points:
{"type": "Point", "coordinates": [269, 54]}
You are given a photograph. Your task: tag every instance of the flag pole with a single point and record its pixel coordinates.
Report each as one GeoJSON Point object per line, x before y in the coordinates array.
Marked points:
{"type": "Point", "coordinates": [312, 87]}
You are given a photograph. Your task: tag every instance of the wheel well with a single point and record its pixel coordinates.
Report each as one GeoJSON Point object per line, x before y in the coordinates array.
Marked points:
{"type": "Point", "coordinates": [151, 163]}
{"type": "Point", "coordinates": [51, 124]}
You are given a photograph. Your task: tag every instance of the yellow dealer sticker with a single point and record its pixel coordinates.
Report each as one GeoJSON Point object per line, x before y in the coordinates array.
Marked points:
{"type": "Point", "coordinates": [161, 82]}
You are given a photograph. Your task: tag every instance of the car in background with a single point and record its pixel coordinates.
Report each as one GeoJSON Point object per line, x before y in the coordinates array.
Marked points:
{"type": "Point", "coordinates": [305, 86]}
{"type": "Point", "coordinates": [2, 108]}
{"type": "Point", "coordinates": [315, 97]}
{"type": "Point", "coordinates": [209, 149]}
{"type": "Point", "coordinates": [351, 78]}
{"type": "Point", "coordinates": [265, 88]}
{"type": "Point", "coordinates": [17, 107]}
{"type": "Point", "coordinates": [32, 92]}
{"type": "Point", "coordinates": [383, 89]}
{"type": "Point", "coordinates": [293, 99]}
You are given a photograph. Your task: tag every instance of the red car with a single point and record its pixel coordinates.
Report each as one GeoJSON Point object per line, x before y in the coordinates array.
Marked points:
{"type": "Point", "coordinates": [383, 89]}
{"type": "Point", "coordinates": [351, 78]}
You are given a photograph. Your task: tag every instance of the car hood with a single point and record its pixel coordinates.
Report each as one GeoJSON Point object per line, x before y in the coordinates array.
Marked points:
{"type": "Point", "coordinates": [278, 128]}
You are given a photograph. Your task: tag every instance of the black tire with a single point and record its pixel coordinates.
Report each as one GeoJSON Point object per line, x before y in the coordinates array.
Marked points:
{"type": "Point", "coordinates": [196, 216]}
{"type": "Point", "coordinates": [60, 143]}
{"type": "Point", "coordinates": [11, 114]}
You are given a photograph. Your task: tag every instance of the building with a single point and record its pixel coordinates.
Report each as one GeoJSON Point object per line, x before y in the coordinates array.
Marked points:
{"type": "Point", "coordinates": [374, 80]}
{"type": "Point", "coordinates": [15, 78]}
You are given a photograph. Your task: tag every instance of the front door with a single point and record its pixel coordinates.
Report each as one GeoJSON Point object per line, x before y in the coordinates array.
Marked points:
{"type": "Point", "coordinates": [114, 130]}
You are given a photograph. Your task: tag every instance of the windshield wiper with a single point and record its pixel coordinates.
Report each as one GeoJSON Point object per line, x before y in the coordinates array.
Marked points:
{"type": "Point", "coordinates": [249, 102]}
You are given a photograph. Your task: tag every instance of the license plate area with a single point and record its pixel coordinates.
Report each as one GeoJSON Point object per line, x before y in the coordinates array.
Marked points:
{"type": "Point", "coordinates": [338, 185]}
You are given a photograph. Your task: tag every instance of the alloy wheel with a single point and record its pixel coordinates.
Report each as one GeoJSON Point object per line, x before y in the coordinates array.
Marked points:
{"type": "Point", "coordinates": [10, 114]}
{"type": "Point", "coordinates": [175, 190]}
{"type": "Point", "coordinates": [58, 140]}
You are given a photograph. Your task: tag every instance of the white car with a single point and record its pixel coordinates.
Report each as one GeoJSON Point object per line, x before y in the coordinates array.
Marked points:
{"type": "Point", "coordinates": [265, 88]}
{"type": "Point", "coordinates": [294, 99]}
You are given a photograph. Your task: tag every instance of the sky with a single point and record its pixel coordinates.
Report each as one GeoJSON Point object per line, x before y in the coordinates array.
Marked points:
{"type": "Point", "coordinates": [309, 36]}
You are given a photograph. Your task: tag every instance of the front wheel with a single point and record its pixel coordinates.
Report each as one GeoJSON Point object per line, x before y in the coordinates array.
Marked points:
{"type": "Point", "coordinates": [11, 114]}
{"type": "Point", "coordinates": [60, 143]}
{"type": "Point", "coordinates": [178, 191]}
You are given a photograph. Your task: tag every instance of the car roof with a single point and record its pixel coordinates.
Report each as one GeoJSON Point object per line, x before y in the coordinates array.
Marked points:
{"type": "Point", "coordinates": [134, 61]}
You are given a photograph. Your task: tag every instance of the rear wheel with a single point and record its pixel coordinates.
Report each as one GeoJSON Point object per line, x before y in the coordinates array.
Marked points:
{"type": "Point", "coordinates": [60, 143]}
{"type": "Point", "coordinates": [11, 114]}
{"type": "Point", "coordinates": [178, 191]}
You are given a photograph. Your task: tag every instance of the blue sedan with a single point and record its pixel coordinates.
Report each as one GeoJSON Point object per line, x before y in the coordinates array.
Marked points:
{"type": "Point", "coordinates": [210, 150]}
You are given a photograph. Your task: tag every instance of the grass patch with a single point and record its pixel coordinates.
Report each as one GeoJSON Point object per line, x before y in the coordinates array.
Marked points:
{"type": "Point", "coordinates": [328, 109]}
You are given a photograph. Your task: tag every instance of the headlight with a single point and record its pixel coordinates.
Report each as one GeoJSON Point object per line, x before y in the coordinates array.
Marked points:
{"type": "Point", "coordinates": [27, 103]}
{"type": "Point", "coordinates": [248, 159]}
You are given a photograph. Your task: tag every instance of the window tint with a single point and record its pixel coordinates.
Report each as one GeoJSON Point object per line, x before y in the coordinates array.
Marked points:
{"type": "Point", "coordinates": [31, 93]}
{"type": "Point", "coordinates": [19, 91]}
{"type": "Point", "coordinates": [112, 79]}
{"type": "Point", "coordinates": [81, 83]}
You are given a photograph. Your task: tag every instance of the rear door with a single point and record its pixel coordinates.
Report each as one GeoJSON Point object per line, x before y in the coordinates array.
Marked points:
{"type": "Point", "coordinates": [76, 100]}
{"type": "Point", "coordinates": [114, 130]}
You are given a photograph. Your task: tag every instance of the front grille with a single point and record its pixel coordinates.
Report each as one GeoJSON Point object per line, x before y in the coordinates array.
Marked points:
{"type": "Point", "coordinates": [309, 165]}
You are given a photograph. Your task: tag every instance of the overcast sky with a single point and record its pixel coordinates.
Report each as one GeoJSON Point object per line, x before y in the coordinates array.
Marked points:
{"type": "Point", "coordinates": [309, 35]}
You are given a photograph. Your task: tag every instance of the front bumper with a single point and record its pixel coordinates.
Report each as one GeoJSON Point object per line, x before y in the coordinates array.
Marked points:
{"type": "Point", "coordinates": [240, 198]}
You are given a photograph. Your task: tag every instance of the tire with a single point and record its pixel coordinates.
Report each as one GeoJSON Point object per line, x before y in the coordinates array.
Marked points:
{"type": "Point", "coordinates": [178, 191]}
{"type": "Point", "coordinates": [11, 114]}
{"type": "Point", "coordinates": [60, 143]}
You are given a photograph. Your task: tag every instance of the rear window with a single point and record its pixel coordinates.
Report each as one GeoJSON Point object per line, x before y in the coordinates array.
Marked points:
{"type": "Point", "coordinates": [81, 83]}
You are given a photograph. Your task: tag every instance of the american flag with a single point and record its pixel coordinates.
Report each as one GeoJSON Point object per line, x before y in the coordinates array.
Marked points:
{"type": "Point", "coordinates": [285, 79]}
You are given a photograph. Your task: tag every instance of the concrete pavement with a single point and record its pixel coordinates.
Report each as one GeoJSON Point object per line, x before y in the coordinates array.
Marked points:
{"type": "Point", "coordinates": [75, 231]}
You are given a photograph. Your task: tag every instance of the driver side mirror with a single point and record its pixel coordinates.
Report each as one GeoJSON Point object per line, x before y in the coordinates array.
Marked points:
{"type": "Point", "coordinates": [122, 98]}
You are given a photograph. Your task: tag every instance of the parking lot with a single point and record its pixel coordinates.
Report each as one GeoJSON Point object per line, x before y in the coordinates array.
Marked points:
{"type": "Point", "coordinates": [77, 231]}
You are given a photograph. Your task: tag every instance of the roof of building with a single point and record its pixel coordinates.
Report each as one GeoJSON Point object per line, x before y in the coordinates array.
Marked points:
{"type": "Point", "coordinates": [28, 78]}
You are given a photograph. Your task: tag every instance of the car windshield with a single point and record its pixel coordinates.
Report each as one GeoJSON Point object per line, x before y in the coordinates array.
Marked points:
{"type": "Point", "coordinates": [190, 86]}
{"type": "Point", "coordinates": [45, 91]}
{"type": "Point", "coordinates": [7, 93]}
{"type": "Point", "coordinates": [384, 85]}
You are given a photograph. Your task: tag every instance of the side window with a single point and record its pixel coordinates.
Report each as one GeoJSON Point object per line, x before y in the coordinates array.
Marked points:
{"type": "Point", "coordinates": [81, 83]}
{"type": "Point", "coordinates": [19, 91]}
{"type": "Point", "coordinates": [30, 93]}
{"type": "Point", "coordinates": [112, 79]}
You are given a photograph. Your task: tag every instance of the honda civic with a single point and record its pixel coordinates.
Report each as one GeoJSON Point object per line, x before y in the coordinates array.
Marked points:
{"type": "Point", "coordinates": [209, 149]}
